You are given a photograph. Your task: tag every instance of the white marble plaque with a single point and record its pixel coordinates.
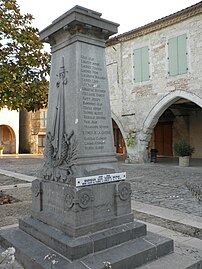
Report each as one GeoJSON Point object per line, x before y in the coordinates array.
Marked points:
{"type": "Point", "coordinates": [99, 179]}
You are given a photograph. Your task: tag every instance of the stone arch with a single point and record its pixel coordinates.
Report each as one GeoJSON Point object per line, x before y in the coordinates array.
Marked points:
{"type": "Point", "coordinates": [164, 103]}
{"type": "Point", "coordinates": [116, 119]}
{"type": "Point", "coordinates": [157, 110]}
{"type": "Point", "coordinates": [8, 138]}
{"type": "Point", "coordinates": [121, 130]}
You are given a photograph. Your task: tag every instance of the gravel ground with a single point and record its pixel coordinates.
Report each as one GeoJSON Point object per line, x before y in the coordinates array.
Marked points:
{"type": "Point", "coordinates": [10, 213]}
{"type": "Point", "coordinates": [5, 180]}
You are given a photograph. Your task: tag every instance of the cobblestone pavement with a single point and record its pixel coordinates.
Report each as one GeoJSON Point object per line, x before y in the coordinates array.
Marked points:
{"type": "Point", "coordinates": [162, 184]}
{"type": "Point", "coordinates": [165, 185]}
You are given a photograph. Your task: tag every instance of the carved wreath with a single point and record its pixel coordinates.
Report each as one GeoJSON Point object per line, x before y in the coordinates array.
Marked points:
{"type": "Point", "coordinates": [59, 167]}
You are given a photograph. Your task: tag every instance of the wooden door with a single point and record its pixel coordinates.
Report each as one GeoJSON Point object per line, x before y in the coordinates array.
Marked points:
{"type": "Point", "coordinates": [118, 139]}
{"type": "Point", "coordinates": [163, 138]}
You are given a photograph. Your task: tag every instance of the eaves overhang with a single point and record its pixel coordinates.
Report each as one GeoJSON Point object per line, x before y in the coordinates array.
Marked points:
{"type": "Point", "coordinates": [158, 24]}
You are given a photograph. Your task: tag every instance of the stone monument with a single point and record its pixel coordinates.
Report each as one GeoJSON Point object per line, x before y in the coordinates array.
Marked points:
{"type": "Point", "coordinates": [81, 206]}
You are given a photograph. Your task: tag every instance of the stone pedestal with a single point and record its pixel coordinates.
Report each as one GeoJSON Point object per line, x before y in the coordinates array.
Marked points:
{"type": "Point", "coordinates": [79, 211]}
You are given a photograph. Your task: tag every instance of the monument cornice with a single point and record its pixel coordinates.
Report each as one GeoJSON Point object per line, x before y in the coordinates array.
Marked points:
{"type": "Point", "coordinates": [158, 24]}
{"type": "Point", "coordinates": [80, 19]}
{"type": "Point", "coordinates": [80, 33]}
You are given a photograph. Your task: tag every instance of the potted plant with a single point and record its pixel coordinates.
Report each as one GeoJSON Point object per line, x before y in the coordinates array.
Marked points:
{"type": "Point", "coordinates": [184, 150]}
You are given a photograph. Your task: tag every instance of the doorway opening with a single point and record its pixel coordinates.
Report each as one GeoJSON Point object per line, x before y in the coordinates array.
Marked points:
{"type": "Point", "coordinates": [119, 142]}
{"type": "Point", "coordinates": [7, 139]}
{"type": "Point", "coordinates": [182, 120]}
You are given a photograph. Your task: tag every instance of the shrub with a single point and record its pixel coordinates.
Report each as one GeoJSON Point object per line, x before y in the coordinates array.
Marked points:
{"type": "Point", "coordinates": [130, 138]}
{"type": "Point", "coordinates": [183, 148]}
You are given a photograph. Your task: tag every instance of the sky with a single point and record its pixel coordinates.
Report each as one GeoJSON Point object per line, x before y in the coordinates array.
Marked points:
{"type": "Point", "coordinates": [130, 14]}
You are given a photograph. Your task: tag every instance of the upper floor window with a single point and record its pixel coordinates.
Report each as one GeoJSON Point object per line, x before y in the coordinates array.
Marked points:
{"type": "Point", "coordinates": [177, 55]}
{"type": "Point", "coordinates": [43, 118]}
{"type": "Point", "coordinates": [141, 64]}
{"type": "Point", "coordinates": [41, 140]}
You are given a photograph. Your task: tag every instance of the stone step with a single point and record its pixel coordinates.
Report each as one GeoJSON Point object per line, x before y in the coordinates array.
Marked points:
{"type": "Point", "coordinates": [31, 253]}
{"type": "Point", "coordinates": [75, 248]}
{"type": "Point", "coordinates": [132, 254]}
{"type": "Point", "coordinates": [128, 255]}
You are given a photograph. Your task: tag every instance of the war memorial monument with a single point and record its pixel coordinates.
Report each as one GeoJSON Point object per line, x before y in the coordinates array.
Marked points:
{"type": "Point", "coordinates": [81, 203]}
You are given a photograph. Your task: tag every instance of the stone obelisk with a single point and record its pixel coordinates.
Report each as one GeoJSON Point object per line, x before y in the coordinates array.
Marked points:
{"type": "Point", "coordinates": [79, 153]}
{"type": "Point", "coordinates": [79, 139]}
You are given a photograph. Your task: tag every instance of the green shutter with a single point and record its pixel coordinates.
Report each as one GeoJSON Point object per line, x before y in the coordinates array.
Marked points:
{"type": "Point", "coordinates": [145, 63]}
{"type": "Point", "coordinates": [137, 65]}
{"type": "Point", "coordinates": [173, 56]}
{"type": "Point", "coordinates": [182, 54]}
{"type": "Point", "coordinates": [141, 64]}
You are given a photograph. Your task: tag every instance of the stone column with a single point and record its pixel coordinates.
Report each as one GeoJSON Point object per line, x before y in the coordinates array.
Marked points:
{"type": "Point", "coordinates": [25, 132]}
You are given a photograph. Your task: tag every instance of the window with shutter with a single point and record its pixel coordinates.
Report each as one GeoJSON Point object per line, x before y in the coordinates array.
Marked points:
{"type": "Point", "coordinates": [141, 64]}
{"type": "Point", "coordinates": [177, 55]}
{"type": "Point", "coordinates": [43, 118]}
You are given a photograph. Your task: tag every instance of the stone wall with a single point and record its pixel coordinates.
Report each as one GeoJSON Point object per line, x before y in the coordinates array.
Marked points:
{"type": "Point", "coordinates": [138, 105]}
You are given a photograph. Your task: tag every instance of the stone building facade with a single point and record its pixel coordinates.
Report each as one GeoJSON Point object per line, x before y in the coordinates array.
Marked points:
{"type": "Point", "coordinates": [155, 82]}
{"type": "Point", "coordinates": [38, 131]}
{"type": "Point", "coordinates": [29, 130]}
{"type": "Point", "coordinates": [9, 130]}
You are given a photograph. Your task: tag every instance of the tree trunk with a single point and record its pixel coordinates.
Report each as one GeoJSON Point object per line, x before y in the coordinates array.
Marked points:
{"type": "Point", "coordinates": [25, 132]}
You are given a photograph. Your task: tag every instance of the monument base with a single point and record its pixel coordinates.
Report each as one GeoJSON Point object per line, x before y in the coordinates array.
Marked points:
{"type": "Point", "coordinates": [87, 227]}
{"type": "Point", "coordinates": [77, 248]}
{"type": "Point", "coordinates": [125, 246]}
{"type": "Point", "coordinates": [78, 211]}
{"type": "Point", "coordinates": [95, 231]}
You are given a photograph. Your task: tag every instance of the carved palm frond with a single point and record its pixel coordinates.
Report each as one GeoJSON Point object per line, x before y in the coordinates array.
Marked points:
{"type": "Point", "coordinates": [72, 152]}
{"type": "Point", "coordinates": [59, 169]}
{"type": "Point", "coordinates": [49, 149]}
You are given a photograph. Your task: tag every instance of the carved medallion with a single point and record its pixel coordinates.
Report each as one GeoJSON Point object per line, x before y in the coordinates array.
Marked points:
{"type": "Point", "coordinates": [124, 190]}
{"type": "Point", "coordinates": [84, 198]}
{"type": "Point", "coordinates": [69, 200]}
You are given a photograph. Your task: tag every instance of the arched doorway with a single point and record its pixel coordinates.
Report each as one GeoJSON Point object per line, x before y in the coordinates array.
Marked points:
{"type": "Point", "coordinates": [7, 139]}
{"type": "Point", "coordinates": [119, 143]}
{"type": "Point", "coordinates": [177, 116]}
{"type": "Point", "coordinates": [162, 138]}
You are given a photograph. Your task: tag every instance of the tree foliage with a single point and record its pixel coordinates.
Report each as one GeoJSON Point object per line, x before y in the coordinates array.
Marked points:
{"type": "Point", "coordinates": [24, 65]}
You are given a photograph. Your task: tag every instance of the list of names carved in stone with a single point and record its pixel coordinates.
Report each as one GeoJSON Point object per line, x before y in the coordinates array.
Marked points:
{"type": "Point", "coordinates": [95, 127]}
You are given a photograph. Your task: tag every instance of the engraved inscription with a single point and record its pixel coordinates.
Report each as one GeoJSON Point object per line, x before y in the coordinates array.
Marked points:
{"type": "Point", "coordinates": [95, 126]}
